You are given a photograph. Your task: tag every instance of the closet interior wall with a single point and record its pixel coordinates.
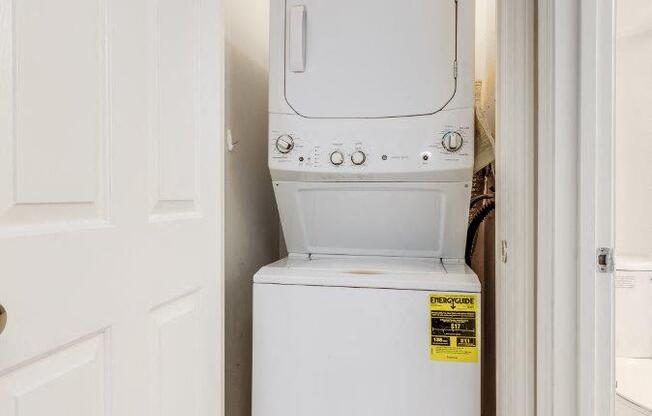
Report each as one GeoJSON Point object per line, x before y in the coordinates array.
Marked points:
{"type": "Point", "coordinates": [252, 226]}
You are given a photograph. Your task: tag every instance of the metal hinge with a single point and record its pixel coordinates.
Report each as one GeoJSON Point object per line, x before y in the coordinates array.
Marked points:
{"type": "Point", "coordinates": [503, 251]}
{"type": "Point", "coordinates": [230, 144]}
{"type": "Point", "coordinates": [605, 260]}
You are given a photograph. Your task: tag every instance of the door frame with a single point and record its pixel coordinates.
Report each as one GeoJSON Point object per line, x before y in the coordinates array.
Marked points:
{"type": "Point", "coordinates": [516, 208]}
{"type": "Point", "coordinates": [596, 377]}
{"type": "Point", "coordinates": [575, 369]}
{"type": "Point", "coordinates": [558, 154]}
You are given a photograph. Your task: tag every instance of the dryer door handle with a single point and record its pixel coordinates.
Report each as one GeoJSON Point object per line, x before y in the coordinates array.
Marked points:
{"type": "Point", "coordinates": [297, 38]}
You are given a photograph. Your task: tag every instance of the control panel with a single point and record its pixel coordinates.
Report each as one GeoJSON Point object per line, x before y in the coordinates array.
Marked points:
{"type": "Point", "coordinates": [439, 147]}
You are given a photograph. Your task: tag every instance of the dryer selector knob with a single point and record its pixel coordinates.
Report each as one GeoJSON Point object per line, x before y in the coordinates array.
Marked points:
{"type": "Point", "coordinates": [285, 143]}
{"type": "Point", "coordinates": [337, 158]}
{"type": "Point", "coordinates": [452, 141]}
{"type": "Point", "coordinates": [358, 158]}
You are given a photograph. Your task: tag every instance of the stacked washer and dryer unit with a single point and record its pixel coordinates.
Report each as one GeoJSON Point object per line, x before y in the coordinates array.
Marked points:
{"type": "Point", "coordinates": [371, 154]}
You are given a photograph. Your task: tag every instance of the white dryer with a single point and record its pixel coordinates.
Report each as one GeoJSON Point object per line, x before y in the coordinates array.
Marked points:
{"type": "Point", "coordinates": [371, 125]}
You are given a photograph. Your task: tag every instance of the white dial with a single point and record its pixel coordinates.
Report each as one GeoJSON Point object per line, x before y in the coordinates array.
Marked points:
{"type": "Point", "coordinates": [284, 144]}
{"type": "Point", "coordinates": [452, 141]}
{"type": "Point", "coordinates": [358, 158]}
{"type": "Point", "coordinates": [337, 158]}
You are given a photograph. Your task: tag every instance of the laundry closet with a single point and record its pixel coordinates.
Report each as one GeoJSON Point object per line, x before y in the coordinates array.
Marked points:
{"type": "Point", "coordinates": [359, 207]}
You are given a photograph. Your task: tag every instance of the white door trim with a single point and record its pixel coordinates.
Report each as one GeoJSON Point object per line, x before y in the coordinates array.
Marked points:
{"type": "Point", "coordinates": [515, 222]}
{"type": "Point", "coordinates": [596, 381]}
{"type": "Point", "coordinates": [558, 152]}
{"type": "Point", "coordinates": [575, 197]}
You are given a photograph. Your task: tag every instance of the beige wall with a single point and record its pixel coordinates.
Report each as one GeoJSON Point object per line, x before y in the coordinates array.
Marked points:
{"type": "Point", "coordinates": [251, 219]}
{"type": "Point", "coordinates": [485, 57]}
{"type": "Point", "coordinates": [634, 129]}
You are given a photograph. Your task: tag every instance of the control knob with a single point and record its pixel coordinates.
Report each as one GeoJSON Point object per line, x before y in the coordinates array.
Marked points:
{"type": "Point", "coordinates": [337, 158]}
{"type": "Point", "coordinates": [285, 144]}
{"type": "Point", "coordinates": [358, 158]}
{"type": "Point", "coordinates": [452, 141]}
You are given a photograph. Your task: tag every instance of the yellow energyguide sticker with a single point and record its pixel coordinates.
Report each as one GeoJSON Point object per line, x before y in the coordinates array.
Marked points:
{"type": "Point", "coordinates": [454, 325]}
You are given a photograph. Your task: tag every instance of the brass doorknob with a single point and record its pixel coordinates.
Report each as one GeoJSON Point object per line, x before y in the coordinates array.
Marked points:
{"type": "Point", "coordinates": [3, 318]}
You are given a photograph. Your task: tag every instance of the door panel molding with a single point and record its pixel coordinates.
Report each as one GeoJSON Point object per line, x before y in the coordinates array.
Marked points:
{"type": "Point", "coordinates": [54, 147]}
{"type": "Point", "coordinates": [174, 119]}
{"type": "Point", "coordinates": [174, 342]}
{"type": "Point", "coordinates": [50, 383]}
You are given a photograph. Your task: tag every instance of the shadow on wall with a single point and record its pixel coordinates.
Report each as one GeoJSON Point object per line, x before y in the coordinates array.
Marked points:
{"type": "Point", "coordinates": [251, 217]}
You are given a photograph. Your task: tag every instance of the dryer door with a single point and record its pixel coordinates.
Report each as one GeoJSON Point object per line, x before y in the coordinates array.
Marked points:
{"type": "Point", "coordinates": [369, 58]}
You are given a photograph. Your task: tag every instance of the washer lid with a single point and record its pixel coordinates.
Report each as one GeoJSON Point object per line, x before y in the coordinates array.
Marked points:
{"type": "Point", "coordinates": [370, 58]}
{"type": "Point", "coordinates": [389, 219]}
{"type": "Point", "coordinates": [370, 272]}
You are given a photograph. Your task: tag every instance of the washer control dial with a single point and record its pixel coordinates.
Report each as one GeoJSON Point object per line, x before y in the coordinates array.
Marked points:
{"type": "Point", "coordinates": [285, 144]}
{"type": "Point", "coordinates": [452, 141]}
{"type": "Point", "coordinates": [358, 158]}
{"type": "Point", "coordinates": [337, 158]}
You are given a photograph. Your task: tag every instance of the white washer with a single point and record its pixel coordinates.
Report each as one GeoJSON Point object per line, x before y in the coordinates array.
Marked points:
{"type": "Point", "coordinates": [371, 153]}
{"type": "Point", "coordinates": [352, 336]}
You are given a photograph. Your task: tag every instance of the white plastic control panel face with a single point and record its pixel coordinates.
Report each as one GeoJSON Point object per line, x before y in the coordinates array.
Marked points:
{"type": "Point", "coordinates": [439, 147]}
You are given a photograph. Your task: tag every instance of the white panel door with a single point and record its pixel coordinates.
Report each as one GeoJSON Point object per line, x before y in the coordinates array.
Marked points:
{"type": "Point", "coordinates": [110, 207]}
